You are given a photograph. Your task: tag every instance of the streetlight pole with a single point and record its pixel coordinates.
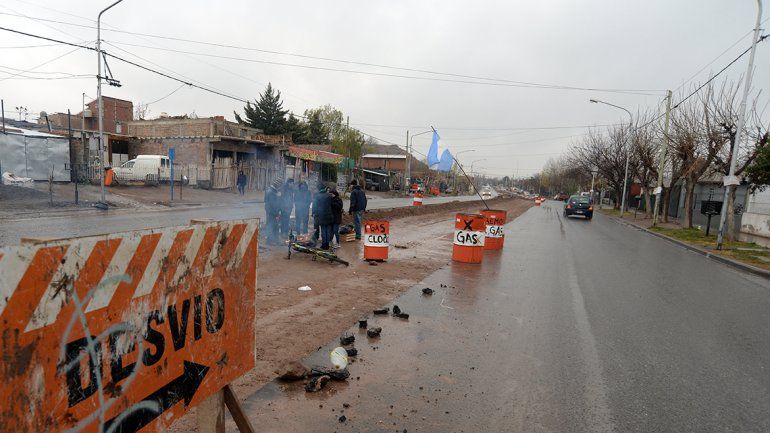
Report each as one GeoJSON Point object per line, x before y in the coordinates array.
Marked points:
{"type": "Point", "coordinates": [99, 92]}
{"type": "Point", "coordinates": [475, 189]}
{"type": "Point", "coordinates": [409, 150]}
{"type": "Point", "coordinates": [730, 181]}
{"type": "Point", "coordinates": [458, 164]}
{"type": "Point", "coordinates": [628, 151]}
{"type": "Point", "coordinates": [662, 162]}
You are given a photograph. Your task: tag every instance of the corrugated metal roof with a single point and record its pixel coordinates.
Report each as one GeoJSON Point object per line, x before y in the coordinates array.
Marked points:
{"type": "Point", "coordinates": [383, 156]}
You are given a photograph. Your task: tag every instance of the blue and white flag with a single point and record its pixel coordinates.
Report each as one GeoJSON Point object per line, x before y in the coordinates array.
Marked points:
{"type": "Point", "coordinates": [445, 164]}
{"type": "Point", "coordinates": [433, 151]}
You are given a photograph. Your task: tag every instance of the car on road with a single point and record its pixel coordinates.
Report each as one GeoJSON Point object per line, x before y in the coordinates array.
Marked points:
{"type": "Point", "coordinates": [579, 205]}
{"type": "Point", "coordinates": [486, 192]}
{"type": "Point", "coordinates": [562, 196]}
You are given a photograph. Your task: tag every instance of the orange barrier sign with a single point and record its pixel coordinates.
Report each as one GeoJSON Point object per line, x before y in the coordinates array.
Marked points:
{"type": "Point", "coordinates": [376, 234]}
{"type": "Point", "coordinates": [494, 237]}
{"type": "Point", "coordinates": [124, 332]}
{"type": "Point", "coordinates": [469, 238]}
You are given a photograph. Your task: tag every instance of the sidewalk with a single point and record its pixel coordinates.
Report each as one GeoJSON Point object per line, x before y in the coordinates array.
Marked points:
{"type": "Point", "coordinates": [745, 256]}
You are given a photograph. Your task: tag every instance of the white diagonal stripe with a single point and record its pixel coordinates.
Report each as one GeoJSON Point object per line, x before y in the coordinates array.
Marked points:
{"type": "Point", "coordinates": [59, 289]}
{"type": "Point", "coordinates": [214, 259]}
{"type": "Point", "coordinates": [240, 250]}
{"type": "Point", "coordinates": [13, 265]}
{"type": "Point", "coordinates": [156, 261]}
{"type": "Point", "coordinates": [115, 273]}
{"type": "Point", "coordinates": [190, 252]}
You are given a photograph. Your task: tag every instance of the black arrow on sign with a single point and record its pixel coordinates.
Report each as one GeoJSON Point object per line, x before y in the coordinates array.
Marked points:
{"type": "Point", "coordinates": [181, 388]}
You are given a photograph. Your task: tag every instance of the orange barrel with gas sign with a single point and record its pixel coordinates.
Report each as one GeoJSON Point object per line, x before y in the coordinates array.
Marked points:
{"type": "Point", "coordinates": [469, 238]}
{"type": "Point", "coordinates": [417, 199]}
{"type": "Point", "coordinates": [376, 235]}
{"type": "Point", "coordinates": [494, 237]}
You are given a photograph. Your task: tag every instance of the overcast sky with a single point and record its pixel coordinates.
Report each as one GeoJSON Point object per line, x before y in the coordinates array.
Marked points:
{"type": "Point", "coordinates": [646, 45]}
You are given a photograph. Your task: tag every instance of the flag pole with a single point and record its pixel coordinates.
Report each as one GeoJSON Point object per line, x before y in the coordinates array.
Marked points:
{"type": "Point", "coordinates": [465, 174]}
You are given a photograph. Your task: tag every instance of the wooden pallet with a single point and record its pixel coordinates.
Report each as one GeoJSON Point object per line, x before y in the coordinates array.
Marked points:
{"type": "Point", "coordinates": [350, 237]}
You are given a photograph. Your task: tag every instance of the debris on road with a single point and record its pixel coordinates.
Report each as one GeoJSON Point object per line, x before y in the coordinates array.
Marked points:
{"type": "Point", "coordinates": [338, 375]}
{"type": "Point", "coordinates": [427, 291]}
{"type": "Point", "coordinates": [372, 263]}
{"type": "Point", "coordinates": [400, 247]}
{"type": "Point", "coordinates": [363, 324]}
{"type": "Point", "coordinates": [339, 358]}
{"type": "Point", "coordinates": [352, 351]}
{"type": "Point", "coordinates": [305, 289]}
{"type": "Point", "coordinates": [374, 332]}
{"type": "Point", "coordinates": [343, 418]}
{"type": "Point", "coordinates": [317, 383]}
{"type": "Point", "coordinates": [404, 316]}
{"type": "Point", "coordinates": [396, 310]}
{"type": "Point", "coordinates": [347, 339]}
{"type": "Point", "coordinates": [381, 311]}
{"type": "Point", "coordinates": [292, 371]}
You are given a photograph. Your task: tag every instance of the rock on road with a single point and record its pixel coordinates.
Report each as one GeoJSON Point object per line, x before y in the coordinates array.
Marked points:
{"type": "Point", "coordinates": [575, 326]}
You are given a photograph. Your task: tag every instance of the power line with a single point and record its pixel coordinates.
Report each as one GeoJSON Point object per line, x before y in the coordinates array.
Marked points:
{"type": "Point", "coordinates": [40, 65]}
{"type": "Point", "coordinates": [464, 80]}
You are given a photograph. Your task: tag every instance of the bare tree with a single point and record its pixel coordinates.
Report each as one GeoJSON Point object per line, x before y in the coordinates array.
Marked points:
{"type": "Point", "coordinates": [645, 150]}
{"type": "Point", "coordinates": [723, 109]}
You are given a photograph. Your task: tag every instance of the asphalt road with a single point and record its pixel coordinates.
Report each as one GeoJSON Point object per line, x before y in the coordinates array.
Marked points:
{"type": "Point", "coordinates": [575, 326]}
{"type": "Point", "coordinates": [93, 221]}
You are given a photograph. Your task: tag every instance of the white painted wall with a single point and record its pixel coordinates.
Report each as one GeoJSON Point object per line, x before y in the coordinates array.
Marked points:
{"type": "Point", "coordinates": [755, 224]}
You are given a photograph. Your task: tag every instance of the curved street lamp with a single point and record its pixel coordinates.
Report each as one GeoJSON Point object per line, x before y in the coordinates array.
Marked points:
{"type": "Point", "coordinates": [628, 151]}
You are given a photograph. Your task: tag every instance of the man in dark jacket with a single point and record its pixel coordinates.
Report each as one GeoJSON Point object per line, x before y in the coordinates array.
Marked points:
{"type": "Point", "coordinates": [272, 209]}
{"type": "Point", "coordinates": [241, 182]}
{"type": "Point", "coordinates": [322, 214]}
{"type": "Point", "coordinates": [287, 204]}
{"type": "Point", "coordinates": [301, 208]}
{"type": "Point", "coordinates": [337, 208]}
{"type": "Point", "coordinates": [357, 206]}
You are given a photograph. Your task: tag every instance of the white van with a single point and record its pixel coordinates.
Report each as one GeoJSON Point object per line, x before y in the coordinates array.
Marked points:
{"type": "Point", "coordinates": [145, 168]}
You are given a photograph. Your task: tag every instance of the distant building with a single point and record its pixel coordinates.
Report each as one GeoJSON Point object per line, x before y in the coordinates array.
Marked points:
{"type": "Point", "coordinates": [384, 162]}
{"type": "Point", "coordinates": [214, 149]}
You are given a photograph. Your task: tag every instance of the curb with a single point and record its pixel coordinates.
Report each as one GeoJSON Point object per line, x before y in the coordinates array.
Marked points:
{"type": "Point", "coordinates": [716, 257]}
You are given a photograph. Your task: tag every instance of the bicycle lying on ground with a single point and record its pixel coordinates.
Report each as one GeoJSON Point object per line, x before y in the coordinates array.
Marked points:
{"type": "Point", "coordinates": [317, 253]}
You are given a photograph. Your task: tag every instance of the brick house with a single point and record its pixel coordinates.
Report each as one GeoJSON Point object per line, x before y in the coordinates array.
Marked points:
{"type": "Point", "coordinates": [211, 149]}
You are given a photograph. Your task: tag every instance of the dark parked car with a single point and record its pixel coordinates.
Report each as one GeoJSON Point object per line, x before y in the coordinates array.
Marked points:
{"type": "Point", "coordinates": [579, 205]}
{"type": "Point", "coordinates": [563, 196]}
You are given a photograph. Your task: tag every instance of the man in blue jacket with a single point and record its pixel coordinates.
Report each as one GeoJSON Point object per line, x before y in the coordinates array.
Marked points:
{"type": "Point", "coordinates": [357, 206]}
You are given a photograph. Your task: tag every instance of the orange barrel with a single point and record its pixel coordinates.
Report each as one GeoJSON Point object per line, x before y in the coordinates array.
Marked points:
{"type": "Point", "coordinates": [537, 202]}
{"type": "Point", "coordinates": [376, 235]}
{"type": "Point", "coordinates": [108, 176]}
{"type": "Point", "coordinates": [469, 238]}
{"type": "Point", "coordinates": [494, 237]}
{"type": "Point", "coordinates": [417, 199]}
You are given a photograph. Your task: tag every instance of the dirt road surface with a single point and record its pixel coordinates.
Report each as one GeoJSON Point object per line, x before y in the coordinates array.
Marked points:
{"type": "Point", "coordinates": [293, 324]}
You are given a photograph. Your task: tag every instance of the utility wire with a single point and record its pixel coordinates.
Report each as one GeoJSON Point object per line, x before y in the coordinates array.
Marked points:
{"type": "Point", "coordinates": [465, 78]}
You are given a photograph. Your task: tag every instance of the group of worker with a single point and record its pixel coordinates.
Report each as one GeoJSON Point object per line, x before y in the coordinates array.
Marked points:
{"type": "Point", "coordinates": [327, 208]}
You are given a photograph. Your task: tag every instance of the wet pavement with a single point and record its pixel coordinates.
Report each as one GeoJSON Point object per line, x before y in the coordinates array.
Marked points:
{"type": "Point", "coordinates": [575, 326]}
{"type": "Point", "coordinates": [93, 222]}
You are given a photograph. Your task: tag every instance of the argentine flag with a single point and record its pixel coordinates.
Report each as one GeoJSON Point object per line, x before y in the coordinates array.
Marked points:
{"type": "Point", "coordinates": [434, 162]}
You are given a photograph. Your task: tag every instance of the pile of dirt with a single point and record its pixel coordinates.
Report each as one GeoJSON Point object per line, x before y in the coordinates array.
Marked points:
{"type": "Point", "coordinates": [18, 193]}
{"type": "Point", "coordinates": [401, 212]}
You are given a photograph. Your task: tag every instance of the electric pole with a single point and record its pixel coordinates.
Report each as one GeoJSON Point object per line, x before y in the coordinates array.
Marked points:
{"type": "Point", "coordinates": [662, 162]}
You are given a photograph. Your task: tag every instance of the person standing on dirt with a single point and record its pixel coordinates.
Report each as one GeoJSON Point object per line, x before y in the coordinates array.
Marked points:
{"type": "Point", "coordinates": [287, 204]}
{"type": "Point", "coordinates": [322, 215]}
{"type": "Point", "coordinates": [273, 210]}
{"type": "Point", "coordinates": [337, 208]}
{"type": "Point", "coordinates": [241, 183]}
{"type": "Point", "coordinates": [357, 206]}
{"type": "Point", "coordinates": [301, 208]}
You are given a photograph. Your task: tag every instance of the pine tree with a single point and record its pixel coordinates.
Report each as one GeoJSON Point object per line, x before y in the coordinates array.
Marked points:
{"type": "Point", "coordinates": [267, 113]}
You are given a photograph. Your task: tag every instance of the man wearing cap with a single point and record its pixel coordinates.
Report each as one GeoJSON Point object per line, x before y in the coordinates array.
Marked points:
{"type": "Point", "coordinates": [357, 206]}
{"type": "Point", "coordinates": [272, 209]}
{"type": "Point", "coordinates": [322, 214]}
